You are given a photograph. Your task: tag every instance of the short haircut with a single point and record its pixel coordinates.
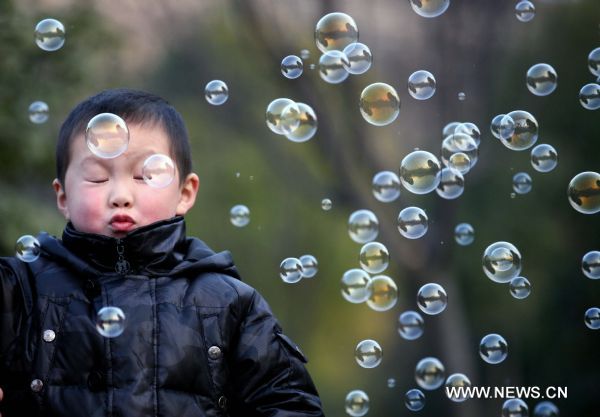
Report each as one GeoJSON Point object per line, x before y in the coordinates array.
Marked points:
{"type": "Point", "coordinates": [136, 107]}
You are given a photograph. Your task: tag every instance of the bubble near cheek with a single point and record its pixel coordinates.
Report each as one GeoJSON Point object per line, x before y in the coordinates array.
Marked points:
{"type": "Point", "coordinates": [158, 171]}
{"type": "Point", "coordinates": [107, 135]}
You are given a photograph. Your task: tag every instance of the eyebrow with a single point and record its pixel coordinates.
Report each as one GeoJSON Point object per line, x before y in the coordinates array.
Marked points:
{"type": "Point", "coordinates": [136, 157]}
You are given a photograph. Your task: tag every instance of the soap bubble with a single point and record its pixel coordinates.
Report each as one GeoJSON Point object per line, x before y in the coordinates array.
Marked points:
{"type": "Point", "coordinates": [357, 403]}
{"type": "Point", "coordinates": [493, 348]}
{"type": "Point", "coordinates": [49, 35]}
{"type": "Point", "coordinates": [455, 381]}
{"type": "Point", "coordinates": [379, 104]}
{"type": "Point", "coordinates": [410, 325]}
{"type": "Point", "coordinates": [354, 285]}
{"type": "Point", "coordinates": [525, 132]}
{"type": "Point", "coordinates": [391, 383]}
{"type": "Point", "coordinates": [419, 172]}
{"type": "Point", "coordinates": [525, 11]}
{"type": "Point", "coordinates": [507, 127]}
{"type": "Point", "coordinates": [386, 186]}
{"type": "Point", "coordinates": [310, 266]}
{"type": "Point", "coordinates": [414, 399]}
{"type": "Point", "coordinates": [470, 129]}
{"type": "Point", "coordinates": [589, 96]}
{"type": "Point", "coordinates": [332, 67]}
{"type": "Point", "coordinates": [590, 264]}
{"type": "Point", "coordinates": [305, 54]}
{"type": "Point", "coordinates": [430, 373]}
{"type": "Point", "coordinates": [429, 8]}
{"type": "Point", "coordinates": [374, 257]}
{"type": "Point", "coordinates": [363, 226]}
{"type": "Point", "coordinates": [239, 215]}
{"type": "Point", "coordinates": [107, 135]}
{"type": "Point", "coordinates": [412, 222]}
{"type": "Point", "coordinates": [541, 79]}
{"type": "Point", "coordinates": [464, 234]}
{"type": "Point", "coordinates": [326, 204]}
{"type": "Point", "coordinates": [335, 31]}
{"type": "Point", "coordinates": [515, 407]}
{"type": "Point", "coordinates": [545, 409]}
{"type": "Point", "coordinates": [383, 293]}
{"type": "Point", "coordinates": [110, 321]}
{"type": "Point", "coordinates": [421, 85]}
{"type": "Point", "coordinates": [495, 125]}
{"type": "Point", "coordinates": [459, 143]}
{"type": "Point", "coordinates": [452, 184]}
{"type": "Point", "coordinates": [290, 270]}
{"type": "Point", "coordinates": [282, 116]}
{"type": "Point", "coordinates": [501, 262]}
{"type": "Point", "coordinates": [368, 354]}
{"type": "Point", "coordinates": [544, 158]}
{"type": "Point", "coordinates": [462, 96]}
{"type": "Point", "coordinates": [38, 112]}
{"type": "Point", "coordinates": [27, 248]}
{"type": "Point", "coordinates": [521, 183]}
{"type": "Point", "coordinates": [216, 92]}
{"type": "Point", "coordinates": [291, 67]}
{"type": "Point", "coordinates": [158, 171]}
{"type": "Point", "coordinates": [308, 124]}
{"type": "Point", "coordinates": [594, 61]}
{"type": "Point", "coordinates": [432, 299]}
{"type": "Point", "coordinates": [459, 162]}
{"type": "Point", "coordinates": [584, 192]}
{"type": "Point", "coordinates": [592, 318]}
{"type": "Point", "coordinates": [520, 287]}
{"type": "Point", "coordinates": [449, 129]}
{"type": "Point", "coordinates": [359, 58]}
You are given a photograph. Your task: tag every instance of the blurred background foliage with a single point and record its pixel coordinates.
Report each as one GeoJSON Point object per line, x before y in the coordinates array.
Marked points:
{"type": "Point", "coordinates": [173, 48]}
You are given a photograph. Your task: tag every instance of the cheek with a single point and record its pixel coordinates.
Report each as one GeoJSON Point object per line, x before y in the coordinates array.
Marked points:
{"type": "Point", "coordinates": [157, 204]}
{"type": "Point", "coordinates": [87, 207]}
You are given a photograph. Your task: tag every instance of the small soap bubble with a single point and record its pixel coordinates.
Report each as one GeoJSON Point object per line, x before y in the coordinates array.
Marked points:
{"type": "Point", "coordinates": [308, 124]}
{"type": "Point", "coordinates": [501, 262]}
{"type": "Point", "coordinates": [280, 122]}
{"type": "Point", "coordinates": [335, 31]}
{"type": "Point", "coordinates": [368, 354]}
{"type": "Point", "coordinates": [470, 129]}
{"type": "Point", "coordinates": [515, 407]}
{"type": "Point", "coordinates": [158, 171]}
{"type": "Point", "coordinates": [421, 85]}
{"type": "Point", "coordinates": [391, 383]}
{"type": "Point", "coordinates": [546, 409]}
{"type": "Point", "coordinates": [432, 299]}
{"type": "Point", "coordinates": [594, 61]}
{"type": "Point", "coordinates": [216, 92]}
{"type": "Point", "coordinates": [354, 285]}
{"type": "Point", "coordinates": [495, 125]}
{"type": "Point", "coordinates": [460, 162]}
{"type": "Point", "coordinates": [239, 215]}
{"type": "Point", "coordinates": [429, 8]}
{"type": "Point", "coordinates": [414, 399]}
{"type": "Point", "coordinates": [412, 222]}
{"type": "Point", "coordinates": [291, 67]}
{"type": "Point", "coordinates": [379, 104]}
{"type": "Point", "coordinates": [590, 264]}
{"type": "Point", "coordinates": [464, 234]}
{"type": "Point", "coordinates": [27, 248]}
{"type": "Point", "coordinates": [359, 58]}
{"type": "Point", "coordinates": [410, 325]}
{"type": "Point", "coordinates": [374, 257]}
{"type": "Point", "coordinates": [522, 183]}
{"type": "Point", "coordinates": [326, 204]}
{"type": "Point", "coordinates": [357, 403]}
{"type": "Point", "coordinates": [38, 112]}
{"type": "Point", "coordinates": [525, 132]}
{"type": "Point", "coordinates": [544, 158]}
{"type": "Point", "coordinates": [493, 348]}
{"type": "Point", "coordinates": [520, 287]}
{"type": "Point", "coordinates": [541, 79]}
{"type": "Point", "coordinates": [49, 35]}
{"type": "Point", "coordinates": [107, 135]}
{"type": "Point", "coordinates": [363, 226]}
{"type": "Point", "coordinates": [592, 318]}
{"type": "Point", "coordinates": [386, 186]}
{"type": "Point", "coordinates": [290, 270]}
{"type": "Point", "coordinates": [332, 67]}
{"type": "Point", "coordinates": [584, 192]}
{"type": "Point", "coordinates": [310, 266]}
{"type": "Point", "coordinates": [110, 321]}
{"type": "Point", "coordinates": [455, 381]}
{"type": "Point", "coordinates": [312, 66]}
{"type": "Point", "coordinates": [513, 195]}
{"type": "Point", "coordinates": [525, 11]}
{"type": "Point", "coordinates": [462, 96]}
{"type": "Point", "coordinates": [589, 96]}
{"type": "Point", "coordinates": [305, 54]}
{"type": "Point", "coordinates": [451, 185]}
{"type": "Point", "coordinates": [419, 172]}
{"type": "Point", "coordinates": [430, 373]}
{"type": "Point", "coordinates": [383, 293]}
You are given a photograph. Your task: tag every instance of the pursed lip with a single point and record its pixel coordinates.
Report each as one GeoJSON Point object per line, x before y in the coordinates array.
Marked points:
{"type": "Point", "coordinates": [121, 223]}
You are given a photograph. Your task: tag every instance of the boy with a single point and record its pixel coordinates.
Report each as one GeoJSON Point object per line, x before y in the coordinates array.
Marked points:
{"type": "Point", "coordinates": [197, 341]}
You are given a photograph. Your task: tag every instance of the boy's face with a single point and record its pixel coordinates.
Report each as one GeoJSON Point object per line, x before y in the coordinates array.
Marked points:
{"type": "Point", "coordinates": [109, 196]}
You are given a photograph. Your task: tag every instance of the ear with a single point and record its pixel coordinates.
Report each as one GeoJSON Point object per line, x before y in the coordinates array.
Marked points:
{"type": "Point", "coordinates": [188, 193]}
{"type": "Point", "coordinates": [61, 198]}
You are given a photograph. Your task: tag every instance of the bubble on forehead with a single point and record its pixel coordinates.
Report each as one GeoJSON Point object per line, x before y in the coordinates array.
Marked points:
{"type": "Point", "coordinates": [107, 135]}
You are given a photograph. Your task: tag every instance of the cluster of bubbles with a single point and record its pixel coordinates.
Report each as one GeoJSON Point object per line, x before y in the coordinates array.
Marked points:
{"type": "Point", "coordinates": [110, 321]}
{"type": "Point", "coordinates": [368, 353]}
{"type": "Point", "coordinates": [239, 215]}
{"type": "Point", "coordinates": [39, 112]}
{"type": "Point", "coordinates": [292, 270]}
{"type": "Point", "coordinates": [49, 35]}
{"type": "Point", "coordinates": [295, 121]}
{"type": "Point", "coordinates": [502, 263]}
{"type": "Point", "coordinates": [216, 92]}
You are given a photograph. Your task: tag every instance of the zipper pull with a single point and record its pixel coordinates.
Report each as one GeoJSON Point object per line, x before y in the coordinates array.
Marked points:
{"type": "Point", "coordinates": [122, 266]}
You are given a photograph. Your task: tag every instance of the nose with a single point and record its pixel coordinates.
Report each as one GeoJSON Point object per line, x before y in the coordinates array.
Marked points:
{"type": "Point", "coordinates": [120, 196]}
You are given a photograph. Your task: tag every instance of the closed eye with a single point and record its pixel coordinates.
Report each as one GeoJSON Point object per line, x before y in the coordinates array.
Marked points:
{"type": "Point", "coordinates": [98, 181]}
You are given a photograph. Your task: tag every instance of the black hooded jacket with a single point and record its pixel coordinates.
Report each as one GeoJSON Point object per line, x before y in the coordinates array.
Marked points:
{"type": "Point", "coordinates": [197, 341]}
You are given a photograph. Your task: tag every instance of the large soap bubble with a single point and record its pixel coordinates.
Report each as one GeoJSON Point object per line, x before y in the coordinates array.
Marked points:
{"type": "Point", "coordinates": [432, 299]}
{"type": "Point", "coordinates": [110, 321]}
{"type": "Point", "coordinates": [379, 104]}
{"type": "Point", "coordinates": [27, 248]}
{"type": "Point", "coordinates": [158, 171]}
{"type": "Point", "coordinates": [419, 172]}
{"type": "Point", "coordinates": [412, 222]}
{"type": "Point", "coordinates": [421, 85]}
{"type": "Point", "coordinates": [335, 31]}
{"type": "Point", "coordinates": [525, 132]}
{"type": "Point", "coordinates": [429, 8]}
{"type": "Point", "coordinates": [332, 67]}
{"type": "Point", "coordinates": [501, 262]}
{"type": "Point", "coordinates": [493, 348]}
{"type": "Point", "coordinates": [541, 79]}
{"type": "Point", "coordinates": [359, 58]}
{"type": "Point", "coordinates": [430, 373]}
{"type": "Point", "coordinates": [584, 192]}
{"type": "Point", "coordinates": [290, 270]}
{"type": "Point", "coordinates": [354, 285]}
{"type": "Point", "coordinates": [544, 158]}
{"type": "Point", "coordinates": [49, 35]}
{"type": "Point", "coordinates": [107, 135]}
{"type": "Point", "coordinates": [374, 257]}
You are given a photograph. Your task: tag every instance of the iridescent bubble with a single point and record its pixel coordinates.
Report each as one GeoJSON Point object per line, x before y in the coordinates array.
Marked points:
{"type": "Point", "coordinates": [462, 96]}
{"type": "Point", "coordinates": [430, 373]}
{"type": "Point", "coordinates": [383, 293]}
{"type": "Point", "coordinates": [470, 129]}
{"type": "Point", "coordinates": [545, 409]}
{"type": "Point", "coordinates": [541, 79]}
{"type": "Point", "coordinates": [335, 31]}
{"type": "Point", "coordinates": [310, 266]}
{"type": "Point", "coordinates": [386, 186]}
{"type": "Point", "coordinates": [584, 192]}
{"type": "Point", "coordinates": [432, 299]}
{"type": "Point", "coordinates": [589, 96]}
{"type": "Point", "coordinates": [275, 116]}
{"type": "Point", "coordinates": [410, 325]}
{"type": "Point", "coordinates": [525, 11]}
{"type": "Point", "coordinates": [354, 285]}
{"type": "Point", "coordinates": [368, 354]}
{"type": "Point", "coordinates": [594, 61]}
{"type": "Point", "coordinates": [501, 262]}
{"type": "Point", "coordinates": [107, 135]}
{"type": "Point", "coordinates": [421, 85]}
{"type": "Point", "coordinates": [27, 248]}
{"type": "Point", "coordinates": [357, 403]}
{"type": "Point", "coordinates": [158, 171]}
{"type": "Point", "coordinates": [590, 264]}
{"type": "Point", "coordinates": [308, 124]}
{"type": "Point", "coordinates": [326, 204]}
{"type": "Point", "coordinates": [592, 318]}
{"type": "Point", "coordinates": [429, 8]}
{"type": "Point", "coordinates": [414, 399]}
{"type": "Point", "coordinates": [291, 67]}
{"type": "Point", "coordinates": [332, 67]}
{"type": "Point", "coordinates": [363, 226]}
{"type": "Point", "coordinates": [391, 383]}
{"type": "Point", "coordinates": [459, 162]}
{"type": "Point", "coordinates": [110, 321]}
{"type": "Point", "coordinates": [49, 35]}
{"type": "Point", "coordinates": [359, 58]}
{"type": "Point", "coordinates": [290, 270]}
{"type": "Point", "coordinates": [419, 172]}
{"type": "Point", "coordinates": [520, 287]}
{"type": "Point", "coordinates": [454, 382]}
{"type": "Point", "coordinates": [305, 54]}
{"type": "Point", "coordinates": [216, 92]}
{"type": "Point", "coordinates": [379, 104]}
{"type": "Point", "coordinates": [239, 215]}
{"type": "Point", "coordinates": [374, 257]}
{"type": "Point", "coordinates": [525, 132]}
{"type": "Point", "coordinates": [515, 407]}
{"type": "Point", "coordinates": [544, 158]}
{"type": "Point", "coordinates": [493, 348]}
{"type": "Point", "coordinates": [452, 184]}
{"type": "Point", "coordinates": [495, 125]}
{"type": "Point", "coordinates": [38, 112]}
{"type": "Point", "coordinates": [464, 234]}
{"type": "Point", "coordinates": [412, 222]}
{"type": "Point", "coordinates": [522, 183]}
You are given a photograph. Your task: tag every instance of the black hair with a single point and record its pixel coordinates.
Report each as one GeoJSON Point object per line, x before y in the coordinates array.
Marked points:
{"type": "Point", "coordinates": [134, 107]}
